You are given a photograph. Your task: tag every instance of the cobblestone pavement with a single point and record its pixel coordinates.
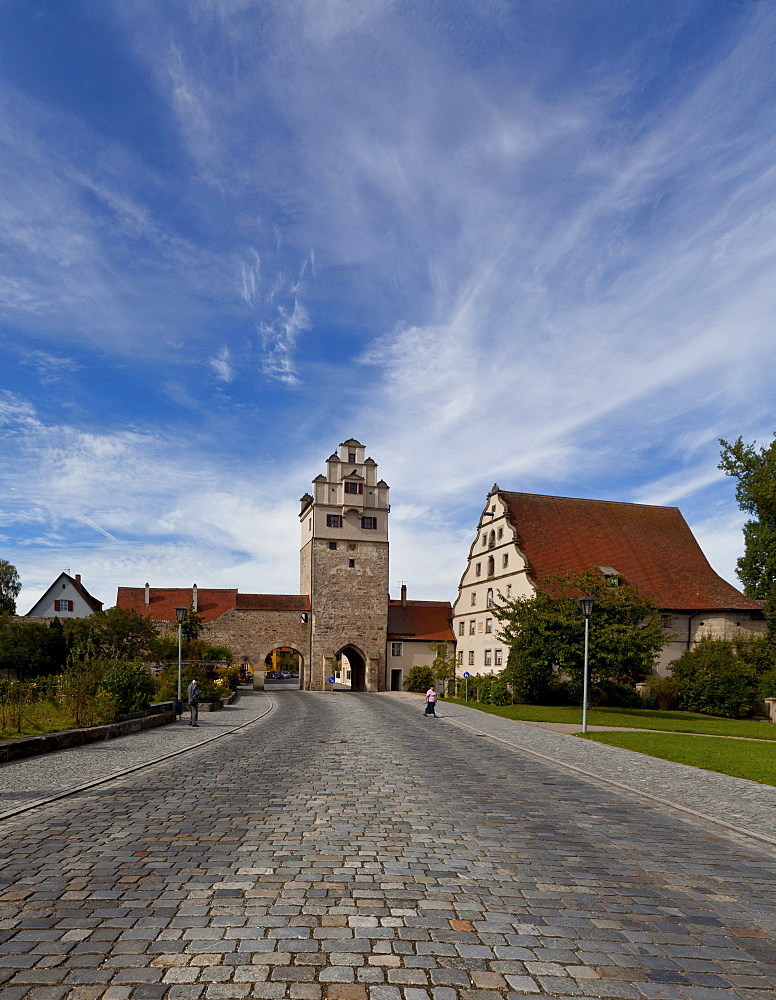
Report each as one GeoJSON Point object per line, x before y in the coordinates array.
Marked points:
{"type": "Point", "coordinates": [346, 848]}
{"type": "Point", "coordinates": [27, 782]}
{"type": "Point", "coordinates": [744, 805]}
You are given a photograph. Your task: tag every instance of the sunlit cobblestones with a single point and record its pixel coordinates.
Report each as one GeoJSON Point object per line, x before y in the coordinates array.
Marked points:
{"type": "Point", "coordinates": [346, 849]}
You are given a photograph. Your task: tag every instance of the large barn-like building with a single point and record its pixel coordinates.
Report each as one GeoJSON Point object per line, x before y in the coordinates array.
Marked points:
{"type": "Point", "coordinates": [523, 538]}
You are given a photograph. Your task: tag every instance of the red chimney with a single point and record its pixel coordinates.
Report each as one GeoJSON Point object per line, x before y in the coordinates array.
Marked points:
{"type": "Point", "coordinates": [78, 578]}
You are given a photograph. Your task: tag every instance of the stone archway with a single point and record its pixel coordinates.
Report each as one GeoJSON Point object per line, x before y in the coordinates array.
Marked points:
{"type": "Point", "coordinates": [357, 662]}
{"type": "Point", "coordinates": [265, 657]}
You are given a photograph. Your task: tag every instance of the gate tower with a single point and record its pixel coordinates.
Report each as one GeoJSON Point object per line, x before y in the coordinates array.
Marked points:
{"type": "Point", "coordinates": [344, 569]}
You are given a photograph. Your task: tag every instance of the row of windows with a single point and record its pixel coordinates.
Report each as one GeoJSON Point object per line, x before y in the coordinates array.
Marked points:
{"type": "Point", "coordinates": [475, 627]}
{"type": "Point", "coordinates": [335, 521]}
{"type": "Point", "coordinates": [493, 658]}
{"type": "Point", "coordinates": [489, 539]}
{"type": "Point", "coordinates": [489, 596]}
{"type": "Point", "coordinates": [492, 565]}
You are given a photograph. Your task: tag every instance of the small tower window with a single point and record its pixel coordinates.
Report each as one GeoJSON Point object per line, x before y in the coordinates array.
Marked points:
{"type": "Point", "coordinates": [351, 456]}
{"type": "Point", "coordinates": [491, 565]}
{"type": "Point", "coordinates": [352, 563]}
{"type": "Point", "coordinates": [332, 545]}
{"type": "Point", "coordinates": [354, 487]}
{"type": "Point", "coordinates": [474, 598]}
{"type": "Point", "coordinates": [505, 560]}
{"type": "Point", "coordinates": [368, 522]}
{"type": "Point", "coordinates": [334, 520]}
{"type": "Point", "coordinates": [478, 569]}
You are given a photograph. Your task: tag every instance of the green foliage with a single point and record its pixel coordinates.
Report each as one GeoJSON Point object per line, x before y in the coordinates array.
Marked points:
{"type": "Point", "coordinates": [192, 624]}
{"type": "Point", "coordinates": [720, 677]}
{"type": "Point", "coordinates": [231, 675]}
{"type": "Point", "coordinates": [111, 635]}
{"type": "Point", "coordinates": [30, 649]}
{"type": "Point", "coordinates": [10, 585]}
{"type": "Point", "coordinates": [165, 646]}
{"type": "Point", "coordinates": [419, 679]}
{"type": "Point", "coordinates": [755, 470]}
{"type": "Point", "coordinates": [499, 691]}
{"type": "Point", "coordinates": [166, 682]}
{"type": "Point", "coordinates": [217, 654]}
{"type": "Point", "coordinates": [664, 692]}
{"type": "Point", "coordinates": [130, 687]}
{"type": "Point", "coordinates": [546, 636]}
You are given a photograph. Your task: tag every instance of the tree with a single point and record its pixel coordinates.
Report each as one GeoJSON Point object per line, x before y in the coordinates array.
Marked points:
{"type": "Point", "coordinates": [419, 679]}
{"type": "Point", "coordinates": [30, 649]}
{"type": "Point", "coordinates": [10, 585]}
{"type": "Point", "coordinates": [722, 676]}
{"type": "Point", "coordinates": [546, 637]}
{"type": "Point", "coordinates": [115, 634]}
{"type": "Point", "coordinates": [192, 624]}
{"type": "Point", "coordinates": [755, 470]}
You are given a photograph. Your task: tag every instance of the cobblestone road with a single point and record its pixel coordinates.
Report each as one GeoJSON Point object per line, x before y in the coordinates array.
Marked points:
{"type": "Point", "coordinates": [345, 847]}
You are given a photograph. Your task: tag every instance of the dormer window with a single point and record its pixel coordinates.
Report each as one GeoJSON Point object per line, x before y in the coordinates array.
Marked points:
{"type": "Point", "coordinates": [351, 456]}
{"type": "Point", "coordinates": [354, 487]}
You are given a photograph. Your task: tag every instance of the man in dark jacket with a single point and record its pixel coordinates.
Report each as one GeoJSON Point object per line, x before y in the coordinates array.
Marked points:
{"type": "Point", "coordinates": [193, 694]}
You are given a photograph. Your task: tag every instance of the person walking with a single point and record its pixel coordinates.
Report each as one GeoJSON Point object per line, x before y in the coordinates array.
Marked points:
{"type": "Point", "coordinates": [431, 697]}
{"type": "Point", "coordinates": [193, 694]}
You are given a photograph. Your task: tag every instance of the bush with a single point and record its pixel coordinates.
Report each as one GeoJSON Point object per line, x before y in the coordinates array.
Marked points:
{"type": "Point", "coordinates": [419, 679]}
{"type": "Point", "coordinates": [130, 687]}
{"type": "Point", "coordinates": [664, 693]}
{"type": "Point", "coordinates": [610, 694]}
{"type": "Point", "coordinates": [215, 654]}
{"type": "Point", "coordinates": [500, 693]}
{"type": "Point", "coordinates": [714, 679]}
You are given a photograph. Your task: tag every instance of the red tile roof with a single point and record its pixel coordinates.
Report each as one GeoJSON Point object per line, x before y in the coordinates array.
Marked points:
{"type": "Point", "coordinates": [211, 604]}
{"type": "Point", "coordinates": [426, 620]}
{"type": "Point", "coordinates": [272, 602]}
{"type": "Point", "coordinates": [652, 547]}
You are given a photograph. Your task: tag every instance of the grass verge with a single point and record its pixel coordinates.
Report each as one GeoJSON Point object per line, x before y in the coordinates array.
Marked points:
{"type": "Point", "coordinates": [755, 761]}
{"type": "Point", "coordinates": [632, 718]}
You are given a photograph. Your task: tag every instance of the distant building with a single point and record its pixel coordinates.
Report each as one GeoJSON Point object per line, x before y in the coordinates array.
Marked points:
{"type": "Point", "coordinates": [523, 538]}
{"type": "Point", "coordinates": [344, 608]}
{"type": "Point", "coordinates": [66, 598]}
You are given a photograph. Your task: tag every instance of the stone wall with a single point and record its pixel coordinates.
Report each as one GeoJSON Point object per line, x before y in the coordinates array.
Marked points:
{"type": "Point", "coordinates": [254, 634]}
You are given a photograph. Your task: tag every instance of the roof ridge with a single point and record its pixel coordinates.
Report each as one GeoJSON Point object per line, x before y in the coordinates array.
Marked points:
{"type": "Point", "coordinates": [619, 503]}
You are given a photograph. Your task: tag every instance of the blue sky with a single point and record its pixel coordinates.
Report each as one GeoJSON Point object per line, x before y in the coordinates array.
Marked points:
{"type": "Point", "coordinates": [531, 243]}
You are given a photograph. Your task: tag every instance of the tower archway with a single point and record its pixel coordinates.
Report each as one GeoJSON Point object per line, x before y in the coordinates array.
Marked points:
{"type": "Point", "coordinates": [356, 663]}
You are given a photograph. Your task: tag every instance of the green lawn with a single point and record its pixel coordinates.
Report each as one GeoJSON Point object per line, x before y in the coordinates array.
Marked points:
{"type": "Point", "coordinates": [755, 761]}
{"type": "Point", "coordinates": [634, 718]}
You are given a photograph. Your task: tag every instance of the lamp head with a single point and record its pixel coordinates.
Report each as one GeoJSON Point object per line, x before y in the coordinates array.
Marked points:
{"type": "Point", "coordinates": [180, 614]}
{"type": "Point", "coordinates": [586, 603]}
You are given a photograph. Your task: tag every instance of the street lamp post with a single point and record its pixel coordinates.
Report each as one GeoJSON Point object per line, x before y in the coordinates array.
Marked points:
{"type": "Point", "coordinates": [180, 614]}
{"type": "Point", "coordinates": [586, 603]}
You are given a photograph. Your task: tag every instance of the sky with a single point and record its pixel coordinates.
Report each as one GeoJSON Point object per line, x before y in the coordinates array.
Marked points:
{"type": "Point", "coordinates": [524, 242]}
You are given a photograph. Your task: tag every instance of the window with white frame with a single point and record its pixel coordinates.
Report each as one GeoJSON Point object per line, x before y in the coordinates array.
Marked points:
{"type": "Point", "coordinates": [461, 627]}
{"type": "Point", "coordinates": [396, 649]}
{"type": "Point", "coordinates": [488, 657]}
{"type": "Point", "coordinates": [472, 627]}
{"type": "Point", "coordinates": [490, 597]}
{"type": "Point", "coordinates": [497, 655]}
{"type": "Point", "coordinates": [63, 605]}
{"type": "Point", "coordinates": [460, 657]}
{"type": "Point", "coordinates": [509, 590]}
{"type": "Point", "coordinates": [488, 624]}
{"type": "Point", "coordinates": [471, 657]}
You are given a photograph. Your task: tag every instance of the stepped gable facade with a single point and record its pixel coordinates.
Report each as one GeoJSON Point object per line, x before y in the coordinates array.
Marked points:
{"type": "Point", "coordinates": [523, 538]}
{"type": "Point", "coordinates": [343, 609]}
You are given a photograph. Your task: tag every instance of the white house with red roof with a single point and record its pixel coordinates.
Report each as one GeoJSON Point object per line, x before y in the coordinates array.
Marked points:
{"type": "Point", "coordinates": [65, 598]}
{"type": "Point", "coordinates": [523, 538]}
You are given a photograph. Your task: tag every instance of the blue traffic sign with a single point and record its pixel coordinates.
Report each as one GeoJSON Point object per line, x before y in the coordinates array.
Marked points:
{"type": "Point", "coordinates": [332, 679]}
{"type": "Point", "coordinates": [467, 674]}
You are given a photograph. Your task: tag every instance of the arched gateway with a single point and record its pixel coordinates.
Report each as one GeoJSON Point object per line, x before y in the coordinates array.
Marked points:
{"type": "Point", "coordinates": [343, 607]}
